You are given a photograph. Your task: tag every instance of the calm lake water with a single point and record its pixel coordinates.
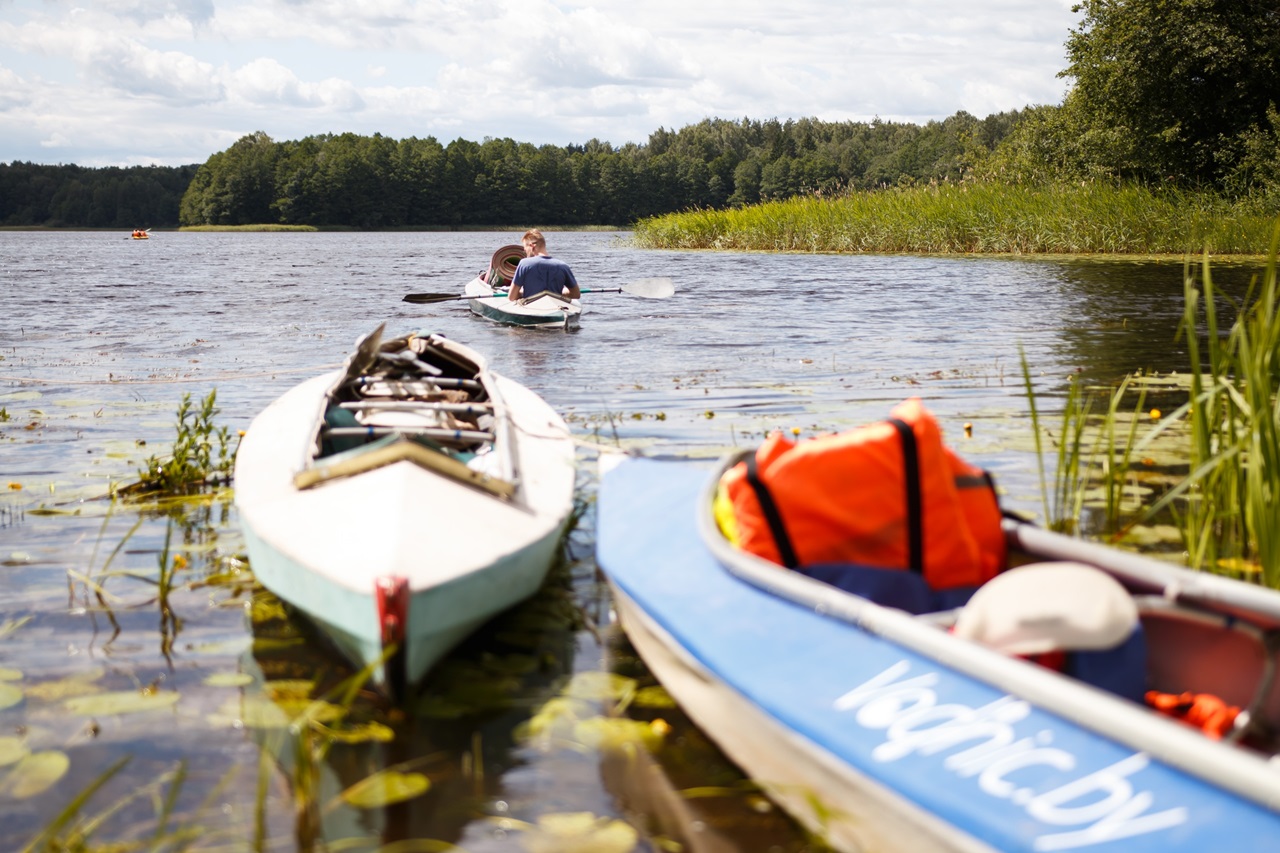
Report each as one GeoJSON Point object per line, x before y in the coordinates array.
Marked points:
{"type": "Point", "coordinates": [100, 338]}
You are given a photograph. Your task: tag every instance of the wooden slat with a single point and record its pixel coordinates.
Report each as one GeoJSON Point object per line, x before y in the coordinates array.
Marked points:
{"type": "Point", "coordinates": [399, 451]}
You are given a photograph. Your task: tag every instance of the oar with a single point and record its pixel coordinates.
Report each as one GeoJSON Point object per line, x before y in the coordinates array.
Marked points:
{"type": "Point", "coordinates": [647, 288]}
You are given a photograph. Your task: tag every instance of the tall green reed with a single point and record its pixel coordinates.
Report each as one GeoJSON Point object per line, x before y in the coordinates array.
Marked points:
{"type": "Point", "coordinates": [1231, 497]}
{"type": "Point", "coordinates": [1227, 505]}
{"type": "Point", "coordinates": [975, 217]}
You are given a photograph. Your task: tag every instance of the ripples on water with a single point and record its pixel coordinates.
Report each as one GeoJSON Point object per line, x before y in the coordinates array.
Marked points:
{"type": "Point", "coordinates": [102, 336]}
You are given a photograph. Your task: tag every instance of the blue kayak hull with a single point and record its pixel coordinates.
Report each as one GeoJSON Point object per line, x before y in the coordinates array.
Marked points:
{"type": "Point", "coordinates": [869, 743]}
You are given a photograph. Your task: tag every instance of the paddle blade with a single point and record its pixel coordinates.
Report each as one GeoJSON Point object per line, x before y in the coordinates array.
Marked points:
{"type": "Point", "coordinates": [428, 298]}
{"type": "Point", "coordinates": [651, 288]}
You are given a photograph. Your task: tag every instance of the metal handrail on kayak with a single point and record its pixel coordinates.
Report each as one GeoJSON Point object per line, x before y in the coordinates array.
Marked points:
{"type": "Point", "coordinates": [1245, 774]}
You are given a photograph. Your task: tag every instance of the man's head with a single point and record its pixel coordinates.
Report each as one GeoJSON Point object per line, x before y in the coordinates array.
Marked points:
{"type": "Point", "coordinates": [533, 242]}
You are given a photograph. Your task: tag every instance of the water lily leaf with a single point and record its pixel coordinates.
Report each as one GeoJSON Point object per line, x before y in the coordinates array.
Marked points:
{"type": "Point", "coordinates": [79, 684]}
{"type": "Point", "coordinates": [362, 733]}
{"type": "Point", "coordinates": [613, 733]}
{"type": "Point", "coordinates": [121, 702]}
{"type": "Point", "coordinates": [580, 832]}
{"type": "Point", "coordinates": [12, 750]}
{"type": "Point", "coordinates": [654, 697]}
{"type": "Point", "coordinates": [10, 695]}
{"type": "Point", "coordinates": [311, 710]}
{"type": "Point", "coordinates": [229, 679]}
{"type": "Point", "coordinates": [386, 788]}
{"type": "Point", "coordinates": [252, 712]}
{"type": "Point", "coordinates": [561, 712]}
{"type": "Point", "coordinates": [266, 609]}
{"type": "Point", "coordinates": [289, 689]}
{"type": "Point", "coordinates": [35, 774]}
{"type": "Point", "coordinates": [1152, 534]}
{"type": "Point", "coordinates": [601, 685]}
{"type": "Point", "coordinates": [10, 674]}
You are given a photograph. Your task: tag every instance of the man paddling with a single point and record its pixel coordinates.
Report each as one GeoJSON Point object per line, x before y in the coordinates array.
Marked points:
{"type": "Point", "coordinates": [539, 272]}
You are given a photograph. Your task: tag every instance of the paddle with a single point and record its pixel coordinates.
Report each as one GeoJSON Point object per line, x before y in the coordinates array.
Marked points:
{"type": "Point", "coordinates": [647, 288]}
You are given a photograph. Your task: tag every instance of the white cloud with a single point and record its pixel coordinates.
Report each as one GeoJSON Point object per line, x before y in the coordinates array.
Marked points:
{"type": "Point", "coordinates": [89, 75]}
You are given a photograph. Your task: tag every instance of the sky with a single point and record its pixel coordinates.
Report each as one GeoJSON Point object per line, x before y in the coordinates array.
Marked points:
{"type": "Point", "coordinates": [171, 82]}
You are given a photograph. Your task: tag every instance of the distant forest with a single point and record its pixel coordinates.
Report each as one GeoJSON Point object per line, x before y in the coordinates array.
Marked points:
{"type": "Point", "coordinates": [378, 182]}
{"type": "Point", "coordinates": [82, 197]}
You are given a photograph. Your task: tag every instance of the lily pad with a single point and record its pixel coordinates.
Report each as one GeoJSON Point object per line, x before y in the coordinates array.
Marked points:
{"type": "Point", "coordinates": [121, 702]}
{"type": "Point", "coordinates": [10, 695]}
{"type": "Point", "coordinates": [561, 712]}
{"type": "Point", "coordinates": [35, 774]}
{"type": "Point", "coordinates": [362, 733]}
{"type": "Point", "coordinates": [654, 697]}
{"type": "Point", "coordinates": [601, 685]}
{"type": "Point", "coordinates": [12, 750]}
{"type": "Point", "coordinates": [10, 674]}
{"type": "Point", "coordinates": [79, 684]}
{"type": "Point", "coordinates": [252, 712]}
{"type": "Point", "coordinates": [580, 832]}
{"type": "Point", "coordinates": [618, 733]}
{"type": "Point", "coordinates": [386, 788]}
{"type": "Point", "coordinates": [229, 679]}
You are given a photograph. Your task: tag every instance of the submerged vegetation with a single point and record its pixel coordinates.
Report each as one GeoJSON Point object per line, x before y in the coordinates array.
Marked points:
{"type": "Point", "coordinates": [988, 217]}
{"type": "Point", "coordinates": [1224, 437]}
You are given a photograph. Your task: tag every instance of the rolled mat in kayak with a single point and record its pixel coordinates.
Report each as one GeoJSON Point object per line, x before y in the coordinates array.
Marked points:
{"type": "Point", "coordinates": [504, 263]}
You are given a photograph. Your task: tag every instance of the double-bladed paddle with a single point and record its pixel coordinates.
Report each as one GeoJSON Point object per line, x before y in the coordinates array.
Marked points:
{"type": "Point", "coordinates": [648, 288]}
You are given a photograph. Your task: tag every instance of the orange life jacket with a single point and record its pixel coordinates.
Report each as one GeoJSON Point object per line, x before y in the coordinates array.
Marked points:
{"type": "Point", "coordinates": [1205, 711]}
{"type": "Point", "coordinates": [888, 494]}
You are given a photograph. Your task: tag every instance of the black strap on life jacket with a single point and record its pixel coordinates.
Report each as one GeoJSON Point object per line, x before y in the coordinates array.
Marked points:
{"type": "Point", "coordinates": [771, 514]}
{"type": "Point", "coordinates": [915, 501]}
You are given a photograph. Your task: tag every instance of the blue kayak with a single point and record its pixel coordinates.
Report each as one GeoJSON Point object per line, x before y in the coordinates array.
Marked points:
{"type": "Point", "coordinates": [881, 730]}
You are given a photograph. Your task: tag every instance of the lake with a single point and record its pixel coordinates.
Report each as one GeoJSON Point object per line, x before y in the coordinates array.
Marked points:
{"type": "Point", "coordinates": [531, 735]}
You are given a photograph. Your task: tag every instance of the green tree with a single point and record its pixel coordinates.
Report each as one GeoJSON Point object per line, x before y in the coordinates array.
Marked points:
{"type": "Point", "coordinates": [1172, 87]}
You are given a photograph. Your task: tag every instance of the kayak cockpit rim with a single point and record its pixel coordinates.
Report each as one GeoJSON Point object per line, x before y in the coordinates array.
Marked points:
{"type": "Point", "coordinates": [1247, 774]}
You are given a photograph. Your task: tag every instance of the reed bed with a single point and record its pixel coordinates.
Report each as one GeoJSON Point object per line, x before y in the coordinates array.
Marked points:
{"type": "Point", "coordinates": [1225, 502]}
{"type": "Point", "coordinates": [966, 218]}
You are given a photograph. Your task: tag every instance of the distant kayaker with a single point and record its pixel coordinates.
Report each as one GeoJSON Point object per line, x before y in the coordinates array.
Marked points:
{"type": "Point", "coordinates": [540, 272]}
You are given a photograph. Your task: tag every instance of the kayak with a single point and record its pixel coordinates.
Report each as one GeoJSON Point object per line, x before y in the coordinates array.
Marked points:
{"type": "Point", "coordinates": [544, 311]}
{"type": "Point", "coordinates": [401, 502]}
{"type": "Point", "coordinates": [883, 730]}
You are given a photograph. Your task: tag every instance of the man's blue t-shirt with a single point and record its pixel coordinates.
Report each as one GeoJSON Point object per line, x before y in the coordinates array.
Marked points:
{"type": "Point", "coordinates": [536, 274]}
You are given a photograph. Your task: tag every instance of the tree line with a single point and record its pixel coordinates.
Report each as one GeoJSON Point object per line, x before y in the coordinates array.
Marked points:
{"type": "Point", "coordinates": [1180, 93]}
{"type": "Point", "coordinates": [379, 182]}
{"type": "Point", "coordinates": [82, 197]}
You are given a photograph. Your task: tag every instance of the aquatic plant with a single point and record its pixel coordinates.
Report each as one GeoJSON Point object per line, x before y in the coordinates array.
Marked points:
{"type": "Point", "coordinates": [976, 217]}
{"type": "Point", "coordinates": [1226, 504]}
{"type": "Point", "coordinates": [1230, 516]}
{"type": "Point", "coordinates": [200, 451]}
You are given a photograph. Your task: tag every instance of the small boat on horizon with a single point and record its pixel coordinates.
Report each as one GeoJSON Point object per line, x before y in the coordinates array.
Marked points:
{"type": "Point", "coordinates": [140, 234]}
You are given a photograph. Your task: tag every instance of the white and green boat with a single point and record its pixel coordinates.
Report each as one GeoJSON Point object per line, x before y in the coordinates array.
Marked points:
{"type": "Point", "coordinates": [543, 311]}
{"type": "Point", "coordinates": [402, 502]}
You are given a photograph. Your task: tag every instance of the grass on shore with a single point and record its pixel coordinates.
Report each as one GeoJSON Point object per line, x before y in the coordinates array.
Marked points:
{"type": "Point", "coordinates": [987, 218]}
